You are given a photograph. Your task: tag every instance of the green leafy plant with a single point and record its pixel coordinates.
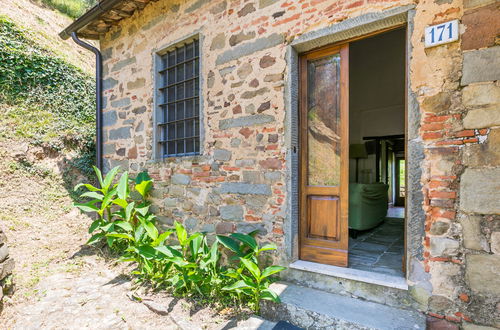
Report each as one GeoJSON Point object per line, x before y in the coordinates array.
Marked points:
{"type": "Point", "coordinates": [186, 264]}
{"type": "Point", "coordinates": [252, 280]}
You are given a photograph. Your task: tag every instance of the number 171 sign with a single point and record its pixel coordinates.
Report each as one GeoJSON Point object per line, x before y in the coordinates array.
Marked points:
{"type": "Point", "coordinates": [441, 33]}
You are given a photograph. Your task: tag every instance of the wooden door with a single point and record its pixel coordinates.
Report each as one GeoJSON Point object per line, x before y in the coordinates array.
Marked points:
{"type": "Point", "coordinates": [324, 181]}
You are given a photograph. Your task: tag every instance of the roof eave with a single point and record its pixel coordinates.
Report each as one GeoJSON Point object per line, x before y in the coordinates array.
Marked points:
{"type": "Point", "coordinates": [91, 15]}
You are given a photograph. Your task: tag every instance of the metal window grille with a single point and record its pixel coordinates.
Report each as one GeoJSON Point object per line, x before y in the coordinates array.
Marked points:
{"type": "Point", "coordinates": [180, 101]}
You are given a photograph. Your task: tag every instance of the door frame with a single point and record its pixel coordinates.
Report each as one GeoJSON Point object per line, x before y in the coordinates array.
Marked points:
{"type": "Point", "coordinates": [371, 22]}
{"type": "Point", "coordinates": [410, 103]}
{"type": "Point", "coordinates": [334, 252]}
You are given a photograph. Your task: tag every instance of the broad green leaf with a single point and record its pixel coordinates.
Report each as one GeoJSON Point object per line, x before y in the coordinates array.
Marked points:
{"type": "Point", "coordinates": [229, 243]}
{"type": "Point", "coordinates": [109, 178]}
{"type": "Point", "coordinates": [95, 238]}
{"type": "Point", "coordinates": [120, 202]}
{"type": "Point", "coordinates": [151, 230]}
{"type": "Point", "coordinates": [268, 247]}
{"type": "Point", "coordinates": [122, 188]}
{"type": "Point", "coordinates": [195, 245]}
{"type": "Point", "coordinates": [110, 241]}
{"type": "Point", "coordinates": [272, 270]}
{"type": "Point", "coordinates": [88, 207]}
{"type": "Point", "coordinates": [162, 237]}
{"type": "Point", "coordinates": [99, 175]}
{"type": "Point", "coordinates": [246, 239]}
{"type": "Point", "coordinates": [231, 273]}
{"type": "Point", "coordinates": [147, 251]}
{"type": "Point", "coordinates": [142, 210]}
{"type": "Point", "coordinates": [214, 252]}
{"type": "Point", "coordinates": [268, 294]}
{"type": "Point", "coordinates": [181, 233]}
{"type": "Point", "coordinates": [86, 185]}
{"type": "Point", "coordinates": [139, 231]}
{"type": "Point", "coordinates": [95, 224]}
{"type": "Point", "coordinates": [143, 176]}
{"type": "Point", "coordinates": [120, 235]}
{"type": "Point", "coordinates": [93, 194]}
{"type": "Point", "coordinates": [126, 259]}
{"type": "Point", "coordinates": [128, 211]}
{"type": "Point", "coordinates": [252, 267]}
{"type": "Point", "coordinates": [109, 227]}
{"type": "Point", "coordinates": [168, 251]}
{"type": "Point", "coordinates": [124, 225]}
{"type": "Point", "coordinates": [108, 198]}
{"type": "Point", "coordinates": [144, 187]}
{"type": "Point", "coordinates": [236, 285]}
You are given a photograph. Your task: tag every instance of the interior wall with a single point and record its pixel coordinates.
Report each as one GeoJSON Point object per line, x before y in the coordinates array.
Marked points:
{"type": "Point", "coordinates": [376, 88]}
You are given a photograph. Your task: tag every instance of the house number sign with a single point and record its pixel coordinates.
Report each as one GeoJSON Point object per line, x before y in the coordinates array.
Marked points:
{"type": "Point", "coordinates": [441, 33]}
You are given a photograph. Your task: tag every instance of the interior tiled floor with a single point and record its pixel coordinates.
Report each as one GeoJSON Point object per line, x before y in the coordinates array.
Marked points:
{"type": "Point", "coordinates": [381, 248]}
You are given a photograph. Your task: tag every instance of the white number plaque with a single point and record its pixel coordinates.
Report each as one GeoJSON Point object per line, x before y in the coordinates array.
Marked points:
{"type": "Point", "coordinates": [441, 33]}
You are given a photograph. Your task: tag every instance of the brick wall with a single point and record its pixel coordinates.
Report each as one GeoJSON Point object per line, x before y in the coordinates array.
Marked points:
{"type": "Point", "coordinates": [239, 182]}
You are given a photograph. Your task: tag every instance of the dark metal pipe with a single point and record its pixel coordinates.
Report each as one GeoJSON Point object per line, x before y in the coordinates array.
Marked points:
{"type": "Point", "coordinates": [98, 96]}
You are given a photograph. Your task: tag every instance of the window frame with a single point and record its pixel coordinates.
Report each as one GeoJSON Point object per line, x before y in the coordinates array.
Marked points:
{"type": "Point", "coordinates": [158, 66]}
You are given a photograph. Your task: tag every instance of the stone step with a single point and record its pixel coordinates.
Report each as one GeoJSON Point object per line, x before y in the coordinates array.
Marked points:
{"type": "Point", "coordinates": [253, 323]}
{"type": "Point", "coordinates": [314, 309]}
{"type": "Point", "coordinates": [380, 288]}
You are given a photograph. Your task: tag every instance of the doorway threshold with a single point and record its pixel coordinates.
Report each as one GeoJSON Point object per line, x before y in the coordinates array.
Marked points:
{"type": "Point", "coordinates": [391, 281]}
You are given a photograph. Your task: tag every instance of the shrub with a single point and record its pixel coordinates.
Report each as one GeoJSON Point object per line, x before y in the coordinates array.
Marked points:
{"type": "Point", "coordinates": [187, 265]}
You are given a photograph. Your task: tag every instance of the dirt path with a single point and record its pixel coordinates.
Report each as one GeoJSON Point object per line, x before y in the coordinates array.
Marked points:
{"type": "Point", "coordinates": [59, 282]}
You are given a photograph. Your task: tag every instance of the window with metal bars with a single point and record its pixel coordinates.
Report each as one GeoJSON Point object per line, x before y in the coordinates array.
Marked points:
{"type": "Point", "coordinates": [179, 101]}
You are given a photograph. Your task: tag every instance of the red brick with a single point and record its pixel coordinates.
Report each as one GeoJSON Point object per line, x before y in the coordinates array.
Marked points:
{"type": "Point", "coordinates": [246, 132]}
{"type": "Point", "coordinates": [432, 127]}
{"type": "Point", "coordinates": [464, 297]}
{"type": "Point", "coordinates": [432, 119]}
{"type": "Point", "coordinates": [442, 194]}
{"type": "Point", "coordinates": [252, 218]}
{"type": "Point", "coordinates": [354, 4]}
{"type": "Point", "coordinates": [432, 135]}
{"type": "Point", "coordinates": [438, 184]}
{"type": "Point", "coordinates": [288, 19]}
{"type": "Point", "coordinates": [465, 133]}
{"type": "Point", "coordinates": [474, 140]}
{"type": "Point", "coordinates": [449, 142]}
{"type": "Point", "coordinates": [271, 163]}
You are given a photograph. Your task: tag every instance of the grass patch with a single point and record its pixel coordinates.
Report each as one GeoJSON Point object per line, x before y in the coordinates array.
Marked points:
{"type": "Point", "coordinates": [71, 8]}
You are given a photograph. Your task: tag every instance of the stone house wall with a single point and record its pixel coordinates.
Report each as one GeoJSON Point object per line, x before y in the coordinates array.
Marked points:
{"type": "Point", "coordinates": [241, 181]}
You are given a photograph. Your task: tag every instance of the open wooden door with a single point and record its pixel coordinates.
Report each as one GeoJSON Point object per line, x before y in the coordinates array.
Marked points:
{"type": "Point", "coordinates": [324, 158]}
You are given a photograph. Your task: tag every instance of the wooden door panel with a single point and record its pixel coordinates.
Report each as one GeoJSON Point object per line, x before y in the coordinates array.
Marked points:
{"type": "Point", "coordinates": [321, 210]}
{"type": "Point", "coordinates": [324, 156]}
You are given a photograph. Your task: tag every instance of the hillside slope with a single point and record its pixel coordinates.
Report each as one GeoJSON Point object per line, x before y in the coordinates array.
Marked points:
{"type": "Point", "coordinates": [47, 23]}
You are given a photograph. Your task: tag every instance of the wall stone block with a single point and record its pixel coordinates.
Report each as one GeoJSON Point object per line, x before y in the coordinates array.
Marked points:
{"type": "Point", "coordinates": [119, 133]}
{"type": "Point", "coordinates": [109, 118]}
{"type": "Point", "coordinates": [482, 27]}
{"type": "Point", "coordinates": [246, 121]}
{"type": "Point", "coordinates": [472, 235]}
{"type": "Point", "coordinates": [245, 188]}
{"type": "Point", "coordinates": [484, 183]}
{"type": "Point", "coordinates": [250, 48]}
{"type": "Point", "coordinates": [481, 65]}
{"type": "Point", "coordinates": [482, 273]}
{"type": "Point", "coordinates": [231, 212]}
{"type": "Point", "coordinates": [480, 95]}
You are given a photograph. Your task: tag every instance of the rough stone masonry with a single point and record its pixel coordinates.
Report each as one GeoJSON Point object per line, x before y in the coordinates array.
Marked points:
{"type": "Point", "coordinates": [240, 182]}
{"type": "Point", "coordinates": [6, 265]}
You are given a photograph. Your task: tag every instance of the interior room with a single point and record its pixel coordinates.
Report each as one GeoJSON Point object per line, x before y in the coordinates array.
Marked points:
{"type": "Point", "coordinates": [377, 153]}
